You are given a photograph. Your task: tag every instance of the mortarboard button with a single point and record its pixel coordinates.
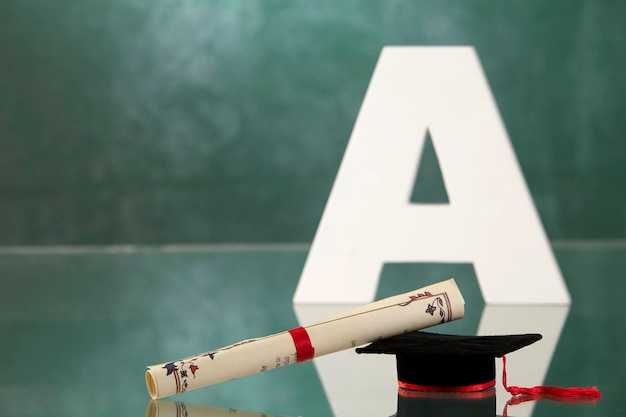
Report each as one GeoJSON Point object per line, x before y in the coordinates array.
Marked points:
{"type": "Point", "coordinates": [447, 363]}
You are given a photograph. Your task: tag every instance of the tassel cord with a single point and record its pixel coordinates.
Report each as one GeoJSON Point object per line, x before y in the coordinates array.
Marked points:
{"type": "Point", "coordinates": [582, 394]}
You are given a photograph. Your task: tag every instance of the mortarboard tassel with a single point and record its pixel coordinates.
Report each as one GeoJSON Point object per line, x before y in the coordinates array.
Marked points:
{"type": "Point", "coordinates": [522, 394]}
{"type": "Point", "coordinates": [554, 393]}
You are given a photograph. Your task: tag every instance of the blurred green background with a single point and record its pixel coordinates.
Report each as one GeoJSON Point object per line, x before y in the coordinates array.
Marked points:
{"type": "Point", "coordinates": [168, 121]}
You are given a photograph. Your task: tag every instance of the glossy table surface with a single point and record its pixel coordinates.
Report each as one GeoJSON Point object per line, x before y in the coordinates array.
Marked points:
{"type": "Point", "coordinates": [78, 325]}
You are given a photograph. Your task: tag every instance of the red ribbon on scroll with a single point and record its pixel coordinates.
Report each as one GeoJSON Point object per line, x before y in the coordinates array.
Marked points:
{"type": "Point", "coordinates": [304, 349]}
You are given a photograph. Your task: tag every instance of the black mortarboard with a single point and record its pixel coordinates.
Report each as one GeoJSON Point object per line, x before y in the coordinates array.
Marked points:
{"type": "Point", "coordinates": [447, 363]}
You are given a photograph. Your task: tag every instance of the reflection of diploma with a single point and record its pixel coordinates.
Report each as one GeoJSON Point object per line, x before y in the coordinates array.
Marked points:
{"type": "Point", "coordinates": [428, 306]}
{"type": "Point", "coordinates": [161, 408]}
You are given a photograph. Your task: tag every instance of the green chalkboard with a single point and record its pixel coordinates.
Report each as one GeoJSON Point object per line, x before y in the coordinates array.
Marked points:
{"type": "Point", "coordinates": [129, 121]}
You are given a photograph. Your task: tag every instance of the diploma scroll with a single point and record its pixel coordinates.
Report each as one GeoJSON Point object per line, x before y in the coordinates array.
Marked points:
{"type": "Point", "coordinates": [425, 307]}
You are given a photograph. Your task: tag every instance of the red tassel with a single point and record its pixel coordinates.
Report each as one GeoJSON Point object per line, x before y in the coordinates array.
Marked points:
{"type": "Point", "coordinates": [571, 394]}
{"type": "Point", "coordinates": [556, 393]}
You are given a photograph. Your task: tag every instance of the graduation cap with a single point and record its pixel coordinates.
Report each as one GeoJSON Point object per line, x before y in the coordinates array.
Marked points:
{"type": "Point", "coordinates": [447, 363]}
{"type": "Point", "coordinates": [461, 364]}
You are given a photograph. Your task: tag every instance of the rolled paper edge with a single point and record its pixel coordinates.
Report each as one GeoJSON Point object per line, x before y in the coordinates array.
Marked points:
{"type": "Point", "coordinates": [151, 384]}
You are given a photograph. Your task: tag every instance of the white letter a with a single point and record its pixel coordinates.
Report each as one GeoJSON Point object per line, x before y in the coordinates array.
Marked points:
{"type": "Point", "coordinates": [490, 220]}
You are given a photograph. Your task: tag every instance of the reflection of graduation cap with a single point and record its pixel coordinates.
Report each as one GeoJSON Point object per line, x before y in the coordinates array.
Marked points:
{"type": "Point", "coordinates": [433, 404]}
{"type": "Point", "coordinates": [446, 363]}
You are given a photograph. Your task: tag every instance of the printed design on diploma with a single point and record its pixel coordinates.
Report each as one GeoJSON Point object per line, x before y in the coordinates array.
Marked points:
{"type": "Point", "coordinates": [439, 302]}
{"type": "Point", "coordinates": [181, 371]}
{"type": "Point", "coordinates": [211, 354]}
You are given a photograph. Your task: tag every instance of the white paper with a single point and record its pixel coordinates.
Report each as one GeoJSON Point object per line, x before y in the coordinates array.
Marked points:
{"type": "Point", "coordinates": [425, 307]}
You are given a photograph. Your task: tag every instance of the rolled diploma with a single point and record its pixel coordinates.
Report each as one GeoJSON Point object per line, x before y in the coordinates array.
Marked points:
{"type": "Point", "coordinates": [425, 307]}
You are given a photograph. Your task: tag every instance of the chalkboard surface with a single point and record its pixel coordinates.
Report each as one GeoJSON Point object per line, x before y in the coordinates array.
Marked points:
{"type": "Point", "coordinates": [163, 121]}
